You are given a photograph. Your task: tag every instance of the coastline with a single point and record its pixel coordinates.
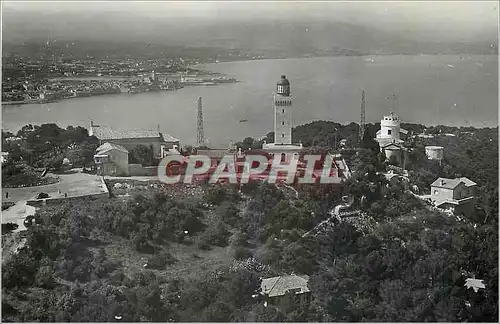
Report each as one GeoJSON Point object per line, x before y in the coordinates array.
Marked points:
{"type": "Point", "coordinates": [44, 101]}
{"type": "Point", "coordinates": [341, 55]}
{"type": "Point", "coordinates": [204, 66]}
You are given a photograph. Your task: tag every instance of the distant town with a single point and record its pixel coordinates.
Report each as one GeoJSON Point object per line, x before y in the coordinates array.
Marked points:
{"type": "Point", "coordinates": [35, 81]}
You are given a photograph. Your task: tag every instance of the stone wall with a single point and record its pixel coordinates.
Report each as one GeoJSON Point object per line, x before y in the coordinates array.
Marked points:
{"type": "Point", "coordinates": [139, 170]}
{"type": "Point", "coordinates": [7, 204]}
{"type": "Point", "coordinates": [58, 200]}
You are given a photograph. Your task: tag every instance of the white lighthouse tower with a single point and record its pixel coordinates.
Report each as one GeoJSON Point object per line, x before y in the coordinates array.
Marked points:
{"type": "Point", "coordinates": [390, 128]}
{"type": "Point", "coordinates": [282, 106]}
{"type": "Point", "coordinates": [283, 113]}
{"type": "Point", "coordinates": [389, 137]}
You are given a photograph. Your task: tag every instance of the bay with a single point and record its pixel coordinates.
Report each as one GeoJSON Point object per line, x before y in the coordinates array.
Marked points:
{"type": "Point", "coordinates": [430, 89]}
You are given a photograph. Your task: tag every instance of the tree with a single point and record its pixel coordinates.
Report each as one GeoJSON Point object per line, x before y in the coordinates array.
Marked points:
{"type": "Point", "coordinates": [229, 213]}
{"type": "Point", "coordinates": [246, 144]}
{"type": "Point", "coordinates": [216, 234]}
{"type": "Point", "coordinates": [83, 154]}
{"type": "Point", "coordinates": [160, 260]}
{"type": "Point", "coordinates": [297, 259]}
{"type": "Point", "coordinates": [45, 277]}
{"type": "Point", "coordinates": [143, 155]}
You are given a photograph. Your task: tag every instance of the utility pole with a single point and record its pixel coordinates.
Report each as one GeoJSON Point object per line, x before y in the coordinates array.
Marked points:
{"type": "Point", "coordinates": [394, 102]}
{"type": "Point", "coordinates": [200, 136]}
{"type": "Point", "coordinates": [362, 119]}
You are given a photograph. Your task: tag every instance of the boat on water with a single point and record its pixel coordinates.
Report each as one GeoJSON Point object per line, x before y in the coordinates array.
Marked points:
{"type": "Point", "coordinates": [450, 66]}
{"type": "Point", "coordinates": [243, 120]}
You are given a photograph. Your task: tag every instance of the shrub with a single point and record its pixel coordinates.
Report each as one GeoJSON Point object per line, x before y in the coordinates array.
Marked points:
{"type": "Point", "coordinates": [229, 213]}
{"type": "Point", "coordinates": [217, 234]}
{"type": "Point", "coordinates": [9, 227]}
{"type": "Point", "coordinates": [141, 243]}
{"type": "Point", "coordinates": [160, 260]}
{"type": "Point", "coordinates": [239, 239]}
{"type": "Point", "coordinates": [44, 277]}
{"type": "Point", "coordinates": [241, 253]}
{"type": "Point", "coordinates": [203, 244]}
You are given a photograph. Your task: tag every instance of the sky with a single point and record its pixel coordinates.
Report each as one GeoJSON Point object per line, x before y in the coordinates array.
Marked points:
{"type": "Point", "coordinates": [430, 18]}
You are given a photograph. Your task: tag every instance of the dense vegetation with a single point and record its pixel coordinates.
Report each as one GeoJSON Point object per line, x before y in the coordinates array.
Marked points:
{"type": "Point", "coordinates": [143, 155]}
{"type": "Point", "coordinates": [400, 261]}
{"type": "Point", "coordinates": [44, 147]}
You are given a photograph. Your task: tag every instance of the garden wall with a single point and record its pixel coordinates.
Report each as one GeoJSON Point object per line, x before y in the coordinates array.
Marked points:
{"type": "Point", "coordinates": [139, 170]}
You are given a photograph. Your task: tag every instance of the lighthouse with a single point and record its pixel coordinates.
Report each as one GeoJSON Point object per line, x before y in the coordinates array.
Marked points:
{"type": "Point", "coordinates": [389, 137]}
{"type": "Point", "coordinates": [390, 127]}
{"type": "Point", "coordinates": [282, 104]}
{"type": "Point", "coordinates": [282, 107]}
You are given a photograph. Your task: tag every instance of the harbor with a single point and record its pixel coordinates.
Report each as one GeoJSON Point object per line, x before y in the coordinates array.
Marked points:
{"type": "Point", "coordinates": [69, 87]}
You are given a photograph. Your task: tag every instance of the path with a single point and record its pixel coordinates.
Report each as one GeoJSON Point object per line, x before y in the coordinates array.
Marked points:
{"type": "Point", "coordinates": [136, 178]}
{"type": "Point", "coordinates": [335, 213]}
{"type": "Point", "coordinates": [74, 184]}
{"type": "Point", "coordinates": [17, 213]}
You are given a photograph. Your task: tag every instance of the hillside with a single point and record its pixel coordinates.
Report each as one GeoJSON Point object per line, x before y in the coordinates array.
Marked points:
{"type": "Point", "coordinates": [191, 253]}
{"type": "Point", "coordinates": [271, 38]}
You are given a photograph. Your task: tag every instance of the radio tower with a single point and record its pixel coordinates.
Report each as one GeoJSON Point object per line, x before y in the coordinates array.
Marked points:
{"type": "Point", "coordinates": [362, 120]}
{"type": "Point", "coordinates": [394, 102]}
{"type": "Point", "coordinates": [199, 130]}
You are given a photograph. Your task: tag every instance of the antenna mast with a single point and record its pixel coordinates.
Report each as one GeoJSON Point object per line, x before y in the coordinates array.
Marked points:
{"type": "Point", "coordinates": [362, 119]}
{"type": "Point", "coordinates": [200, 136]}
{"type": "Point", "coordinates": [394, 102]}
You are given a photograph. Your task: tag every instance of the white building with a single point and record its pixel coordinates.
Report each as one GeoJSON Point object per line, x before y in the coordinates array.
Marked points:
{"type": "Point", "coordinates": [454, 194]}
{"type": "Point", "coordinates": [275, 288]}
{"type": "Point", "coordinates": [282, 105]}
{"type": "Point", "coordinates": [389, 137]}
{"type": "Point", "coordinates": [434, 152]}
{"type": "Point", "coordinates": [112, 160]}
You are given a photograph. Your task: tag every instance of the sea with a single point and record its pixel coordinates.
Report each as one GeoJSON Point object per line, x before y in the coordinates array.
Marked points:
{"type": "Point", "coordinates": [456, 90]}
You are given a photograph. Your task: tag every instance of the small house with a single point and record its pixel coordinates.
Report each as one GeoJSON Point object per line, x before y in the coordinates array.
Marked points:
{"type": "Point", "coordinates": [275, 288]}
{"type": "Point", "coordinates": [454, 194]}
{"type": "Point", "coordinates": [112, 160]}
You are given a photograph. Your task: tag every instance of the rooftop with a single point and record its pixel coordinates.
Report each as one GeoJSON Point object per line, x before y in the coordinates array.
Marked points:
{"type": "Point", "coordinates": [281, 147]}
{"type": "Point", "coordinates": [452, 183]}
{"type": "Point", "coordinates": [215, 153]}
{"type": "Point", "coordinates": [283, 81]}
{"type": "Point", "coordinates": [279, 286]}
{"type": "Point", "coordinates": [169, 138]}
{"type": "Point", "coordinates": [401, 130]}
{"type": "Point", "coordinates": [106, 147]}
{"type": "Point", "coordinates": [475, 284]}
{"type": "Point", "coordinates": [391, 145]}
{"type": "Point", "coordinates": [108, 133]}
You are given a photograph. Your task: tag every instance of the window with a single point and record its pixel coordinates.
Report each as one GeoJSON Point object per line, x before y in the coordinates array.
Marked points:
{"type": "Point", "coordinates": [436, 192]}
{"type": "Point", "coordinates": [283, 157]}
{"type": "Point", "coordinates": [282, 123]}
{"type": "Point", "coordinates": [389, 131]}
{"type": "Point", "coordinates": [283, 111]}
{"type": "Point", "coordinates": [282, 135]}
